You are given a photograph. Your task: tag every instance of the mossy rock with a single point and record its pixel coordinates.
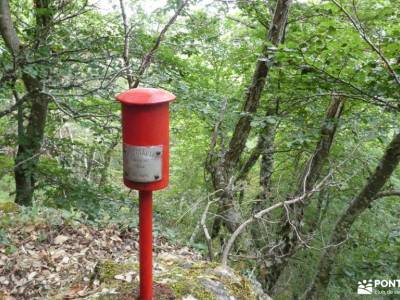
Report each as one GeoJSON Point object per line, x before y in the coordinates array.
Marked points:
{"type": "Point", "coordinates": [175, 278]}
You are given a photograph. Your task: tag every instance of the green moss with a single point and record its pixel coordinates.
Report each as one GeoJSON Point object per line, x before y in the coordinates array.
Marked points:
{"type": "Point", "coordinates": [241, 291]}
{"type": "Point", "coordinates": [186, 281]}
{"type": "Point", "coordinates": [181, 280]}
{"type": "Point", "coordinates": [108, 269]}
{"type": "Point", "coordinates": [106, 272]}
{"type": "Point", "coordinates": [8, 207]}
{"type": "Point", "coordinates": [190, 287]}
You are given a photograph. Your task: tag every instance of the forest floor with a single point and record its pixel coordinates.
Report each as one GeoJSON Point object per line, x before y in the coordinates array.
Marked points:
{"type": "Point", "coordinates": [47, 261]}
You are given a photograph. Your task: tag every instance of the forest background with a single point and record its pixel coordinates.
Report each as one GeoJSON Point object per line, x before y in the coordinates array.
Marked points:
{"type": "Point", "coordinates": [284, 135]}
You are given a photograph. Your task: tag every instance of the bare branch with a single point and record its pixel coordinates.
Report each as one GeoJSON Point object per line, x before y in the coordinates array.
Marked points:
{"type": "Point", "coordinates": [82, 10]}
{"type": "Point", "coordinates": [261, 213]}
{"type": "Point", "coordinates": [357, 206]}
{"type": "Point", "coordinates": [205, 230]}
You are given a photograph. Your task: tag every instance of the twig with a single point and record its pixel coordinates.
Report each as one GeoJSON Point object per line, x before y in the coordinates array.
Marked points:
{"type": "Point", "coordinates": [194, 207]}
{"type": "Point", "coordinates": [259, 214]}
{"type": "Point", "coordinates": [149, 55]}
{"type": "Point", "coordinates": [205, 230]}
{"type": "Point", "coordinates": [388, 194]}
{"type": "Point", "coordinates": [194, 233]}
{"type": "Point", "coordinates": [125, 54]}
{"type": "Point", "coordinates": [242, 22]}
{"type": "Point", "coordinates": [357, 25]}
{"type": "Point", "coordinates": [12, 107]}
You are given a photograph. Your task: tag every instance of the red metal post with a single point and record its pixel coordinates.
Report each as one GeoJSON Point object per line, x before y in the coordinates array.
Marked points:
{"type": "Point", "coordinates": [146, 244]}
{"type": "Point", "coordinates": [145, 134]}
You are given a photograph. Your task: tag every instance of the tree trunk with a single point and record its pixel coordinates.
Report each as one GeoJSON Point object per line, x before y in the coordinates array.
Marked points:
{"type": "Point", "coordinates": [224, 169]}
{"type": "Point", "coordinates": [29, 139]}
{"type": "Point", "coordinates": [291, 224]}
{"type": "Point", "coordinates": [7, 29]}
{"type": "Point", "coordinates": [265, 148]}
{"type": "Point", "coordinates": [267, 141]}
{"type": "Point", "coordinates": [30, 143]}
{"type": "Point", "coordinates": [359, 204]}
{"type": "Point", "coordinates": [258, 228]}
{"type": "Point", "coordinates": [107, 161]}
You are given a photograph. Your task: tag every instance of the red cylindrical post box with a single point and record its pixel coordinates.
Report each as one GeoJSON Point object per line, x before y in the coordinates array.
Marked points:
{"type": "Point", "coordinates": [145, 134]}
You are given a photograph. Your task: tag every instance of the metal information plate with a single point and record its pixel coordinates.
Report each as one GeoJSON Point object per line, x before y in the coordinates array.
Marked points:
{"type": "Point", "coordinates": [143, 164]}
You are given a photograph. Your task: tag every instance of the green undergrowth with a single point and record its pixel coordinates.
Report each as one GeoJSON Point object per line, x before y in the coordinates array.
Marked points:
{"type": "Point", "coordinates": [13, 215]}
{"type": "Point", "coordinates": [8, 207]}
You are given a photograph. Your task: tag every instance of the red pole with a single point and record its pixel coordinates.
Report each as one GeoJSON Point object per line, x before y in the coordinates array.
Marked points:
{"type": "Point", "coordinates": [146, 244]}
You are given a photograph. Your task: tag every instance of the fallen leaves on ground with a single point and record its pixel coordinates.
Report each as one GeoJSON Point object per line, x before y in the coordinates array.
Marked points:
{"type": "Point", "coordinates": [57, 262]}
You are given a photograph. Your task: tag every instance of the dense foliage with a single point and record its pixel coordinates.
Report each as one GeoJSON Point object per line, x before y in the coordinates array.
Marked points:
{"type": "Point", "coordinates": [322, 124]}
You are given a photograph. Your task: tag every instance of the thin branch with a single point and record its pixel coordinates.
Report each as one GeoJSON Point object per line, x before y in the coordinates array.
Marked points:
{"type": "Point", "coordinates": [205, 230]}
{"type": "Point", "coordinates": [125, 54]}
{"type": "Point", "coordinates": [194, 206]}
{"type": "Point", "coordinates": [259, 214]}
{"type": "Point", "coordinates": [387, 194]}
{"type": "Point", "coordinates": [12, 107]}
{"type": "Point", "coordinates": [242, 22]}
{"type": "Point", "coordinates": [149, 55]}
{"type": "Point", "coordinates": [81, 11]}
{"type": "Point", "coordinates": [357, 25]}
{"type": "Point", "coordinates": [379, 101]}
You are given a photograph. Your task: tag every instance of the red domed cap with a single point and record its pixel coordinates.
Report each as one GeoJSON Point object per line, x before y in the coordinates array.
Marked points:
{"type": "Point", "coordinates": [145, 96]}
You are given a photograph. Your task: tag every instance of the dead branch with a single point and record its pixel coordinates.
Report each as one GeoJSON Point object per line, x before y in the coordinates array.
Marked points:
{"type": "Point", "coordinates": [194, 206]}
{"type": "Point", "coordinates": [205, 230]}
{"type": "Point", "coordinates": [357, 206]}
{"type": "Point", "coordinates": [259, 214]}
